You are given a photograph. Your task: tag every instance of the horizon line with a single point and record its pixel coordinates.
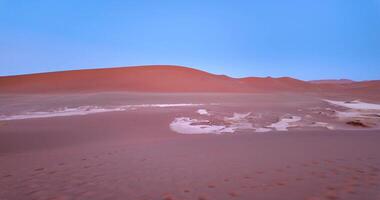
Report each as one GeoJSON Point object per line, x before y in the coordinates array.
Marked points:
{"type": "Point", "coordinates": [174, 65]}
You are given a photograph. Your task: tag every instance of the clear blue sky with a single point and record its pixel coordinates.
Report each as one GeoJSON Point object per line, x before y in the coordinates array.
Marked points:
{"type": "Point", "coordinates": [305, 39]}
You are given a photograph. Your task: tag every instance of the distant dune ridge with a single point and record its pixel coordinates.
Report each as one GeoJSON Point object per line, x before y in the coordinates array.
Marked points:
{"type": "Point", "coordinates": [332, 81]}
{"type": "Point", "coordinates": [158, 78]}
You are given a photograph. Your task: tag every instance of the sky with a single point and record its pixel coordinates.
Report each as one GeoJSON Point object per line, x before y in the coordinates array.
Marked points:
{"type": "Point", "coordinates": [304, 39]}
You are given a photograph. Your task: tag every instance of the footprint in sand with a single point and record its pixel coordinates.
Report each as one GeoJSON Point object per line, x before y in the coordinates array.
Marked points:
{"type": "Point", "coordinates": [7, 176]}
{"type": "Point", "coordinates": [202, 198]}
{"type": "Point", "coordinates": [32, 192]}
{"type": "Point", "coordinates": [168, 197]}
{"type": "Point", "coordinates": [247, 177]}
{"type": "Point", "coordinates": [349, 190]}
{"type": "Point", "coordinates": [281, 183]}
{"type": "Point", "coordinates": [358, 171]}
{"type": "Point", "coordinates": [331, 196]}
{"type": "Point", "coordinates": [233, 194]}
{"type": "Point", "coordinates": [331, 188]}
{"type": "Point", "coordinates": [374, 169]}
{"type": "Point", "coordinates": [373, 174]}
{"type": "Point", "coordinates": [39, 169]}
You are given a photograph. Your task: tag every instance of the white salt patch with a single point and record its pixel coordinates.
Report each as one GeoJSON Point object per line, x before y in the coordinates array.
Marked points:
{"type": "Point", "coordinates": [357, 110]}
{"type": "Point", "coordinates": [85, 110]}
{"type": "Point", "coordinates": [82, 110]}
{"type": "Point", "coordinates": [358, 105]}
{"type": "Point", "coordinates": [203, 112]}
{"type": "Point", "coordinates": [356, 114]}
{"type": "Point", "coordinates": [323, 124]}
{"type": "Point", "coordinates": [284, 123]}
{"type": "Point", "coordinates": [165, 105]}
{"type": "Point", "coordinates": [308, 116]}
{"type": "Point", "coordinates": [239, 121]}
{"type": "Point", "coordinates": [186, 125]}
{"type": "Point", "coordinates": [347, 114]}
{"type": "Point", "coordinates": [262, 130]}
{"type": "Point", "coordinates": [237, 117]}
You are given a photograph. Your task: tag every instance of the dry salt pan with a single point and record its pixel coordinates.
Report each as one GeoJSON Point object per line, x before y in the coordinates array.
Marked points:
{"type": "Point", "coordinates": [86, 110]}
{"type": "Point", "coordinates": [262, 130]}
{"type": "Point", "coordinates": [203, 112]}
{"type": "Point", "coordinates": [186, 125]}
{"type": "Point", "coordinates": [284, 123]}
{"type": "Point", "coordinates": [239, 121]}
{"type": "Point", "coordinates": [357, 105]}
{"type": "Point", "coordinates": [323, 124]}
{"type": "Point", "coordinates": [356, 110]}
{"type": "Point", "coordinates": [237, 117]}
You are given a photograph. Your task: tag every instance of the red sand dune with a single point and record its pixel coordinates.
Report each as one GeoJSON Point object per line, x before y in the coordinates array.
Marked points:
{"type": "Point", "coordinates": [158, 78]}
{"type": "Point", "coordinates": [143, 78]}
{"type": "Point", "coordinates": [332, 81]}
{"type": "Point", "coordinates": [277, 84]}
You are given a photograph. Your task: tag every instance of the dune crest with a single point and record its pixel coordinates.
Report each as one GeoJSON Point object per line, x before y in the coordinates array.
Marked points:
{"type": "Point", "coordinates": [163, 78]}
{"type": "Point", "coordinates": [153, 78]}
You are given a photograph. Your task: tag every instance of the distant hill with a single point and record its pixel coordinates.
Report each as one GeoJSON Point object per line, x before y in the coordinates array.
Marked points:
{"type": "Point", "coordinates": [164, 78]}
{"type": "Point", "coordinates": [332, 81]}
{"type": "Point", "coordinates": [277, 84]}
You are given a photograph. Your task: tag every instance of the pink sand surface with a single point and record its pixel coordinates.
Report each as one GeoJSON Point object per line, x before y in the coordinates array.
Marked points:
{"type": "Point", "coordinates": [133, 154]}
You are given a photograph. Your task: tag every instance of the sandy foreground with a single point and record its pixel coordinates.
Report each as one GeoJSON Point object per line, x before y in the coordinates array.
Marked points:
{"type": "Point", "coordinates": [148, 146]}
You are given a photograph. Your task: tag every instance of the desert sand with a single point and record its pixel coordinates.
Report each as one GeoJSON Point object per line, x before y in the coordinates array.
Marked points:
{"type": "Point", "coordinates": [168, 78]}
{"type": "Point", "coordinates": [86, 144]}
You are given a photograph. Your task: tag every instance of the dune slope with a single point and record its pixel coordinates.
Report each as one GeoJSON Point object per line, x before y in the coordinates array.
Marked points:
{"type": "Point", "coordinates": [164, 78]}
{"type": "Point", "coordinates": [158, 78]}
